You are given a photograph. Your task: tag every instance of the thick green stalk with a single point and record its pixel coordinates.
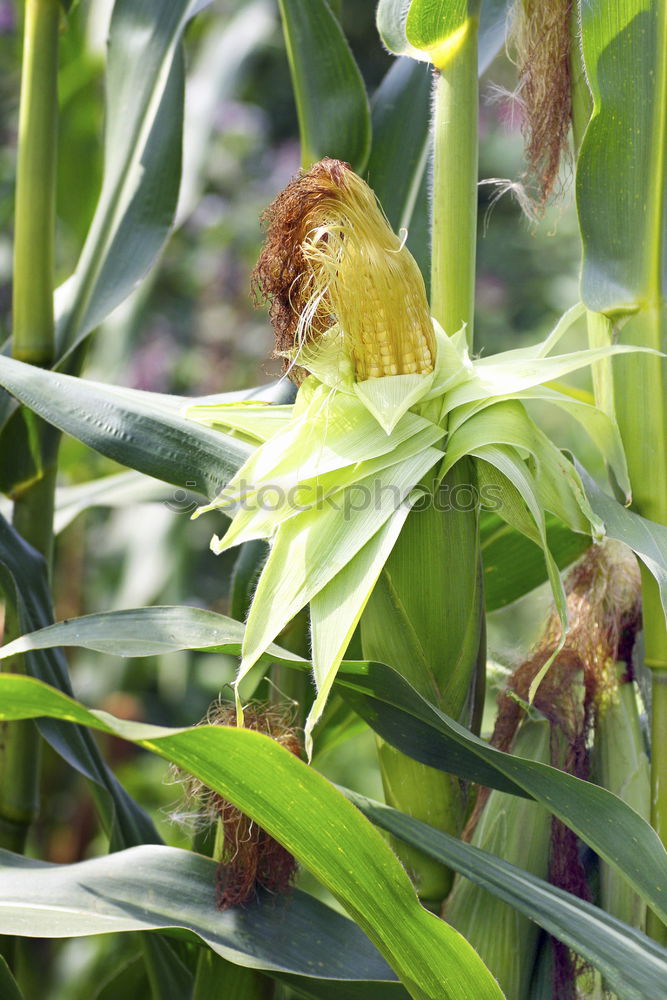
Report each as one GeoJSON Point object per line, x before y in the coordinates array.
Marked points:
{"type": "Point", "coordinates": [455, 155]}
{"type": "Point", "coordinates": [641, 404]}
{"type": "Point", "coordinates": [33, 331]}
{"type": "Point", "coordinates": [33, 341]}
{"type": "Point", "coordinates": [19, 791]}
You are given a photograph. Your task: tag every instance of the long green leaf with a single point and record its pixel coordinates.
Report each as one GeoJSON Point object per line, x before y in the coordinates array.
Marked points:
{"type": "Point", "coordinates": [23, 573]}
{"type": "Point", "coordinates": [620, 182]}
{"type": "Point", "coordinates": [633, 965]}
{"type": "Point", "coordinates": [405, 719]}
{"type": "Point", "coordinates": [294, 937]}
{"type": "Point", "coordinates": [622, 207]}
{"type": "Point", "coordinates": [331, 102]}
{"type": "Point", "coordinates": [145, 431]}
{"type": "Point", "coordinates": [402, 717]}
{"type": "Point", "coordinates": [142, 163]}
{"type": "Point", "coordinates": [309, 817]}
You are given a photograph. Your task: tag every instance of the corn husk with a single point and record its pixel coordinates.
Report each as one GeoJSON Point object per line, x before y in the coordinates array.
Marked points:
{"type": "Point", "coordinates": [517, 830]}
{"type": "Point", "coordinates": [381, 387]}
{"type": "Point", "coordinates": [623, 767]}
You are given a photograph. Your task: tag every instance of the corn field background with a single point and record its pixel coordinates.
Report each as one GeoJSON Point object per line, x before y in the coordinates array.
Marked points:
{"type": "Point", "coordinates": [407, 748]}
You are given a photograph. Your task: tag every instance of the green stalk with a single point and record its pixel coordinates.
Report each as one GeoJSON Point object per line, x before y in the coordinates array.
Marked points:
{"type": "Point", "coordinates": [19, 785]}
{"type": "Point", "coordinates": [638, 394]}
{"type": "Point", "coordinates": [33, 341]}
{"type": "Point", "coordinates": [455, 155]}
{"type": "Point", "coordinates": [34, 227]}
{"type": "Point", "coordinates": [641, 404]}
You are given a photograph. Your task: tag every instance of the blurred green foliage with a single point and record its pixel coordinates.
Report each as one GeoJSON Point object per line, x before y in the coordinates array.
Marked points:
{"type": "Point", "coordinates": [193, 329]}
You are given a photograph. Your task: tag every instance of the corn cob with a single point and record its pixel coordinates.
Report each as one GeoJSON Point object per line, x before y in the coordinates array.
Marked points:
{"type": "Point", "coordinates": [333, 265]}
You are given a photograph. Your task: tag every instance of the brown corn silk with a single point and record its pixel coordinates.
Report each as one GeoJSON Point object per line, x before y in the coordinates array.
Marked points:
{"type": "Point", "coordinates": [331, 263]}
{"type": "Point", "coordinates": [604, 609]}
{"type": "Point", "coordinates": [541, 35]}
{"type": "Point", "coordinates": [250, 858]}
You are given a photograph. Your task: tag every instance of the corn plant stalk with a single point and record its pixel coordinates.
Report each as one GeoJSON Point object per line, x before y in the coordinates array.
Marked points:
{"type": "Point", "coordinates": [638, 312]}
{"type": "Point", "coordinates": [455, 155]}
{"type": "Point", "coordinates": [33, 341]}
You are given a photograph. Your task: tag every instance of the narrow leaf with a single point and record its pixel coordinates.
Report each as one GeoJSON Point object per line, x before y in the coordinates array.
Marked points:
{"type": "Point", "coordinates": [632, 964]}
{"type": "Point", "coordinates": [331, 102]}
{"type": "Point", "coordinates": [142, 430]}
{"type": "Point", "coordinates": [142, 163]}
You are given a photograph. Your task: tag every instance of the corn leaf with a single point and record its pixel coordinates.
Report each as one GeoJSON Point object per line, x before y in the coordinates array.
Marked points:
{"type": "Point", "coordinates": [556, 480]}
{"type": "Point", "coordinates": [390, 19]}
{"type": "Point", "coordinates": [507, 375]}
{"type": "Point", "coordinates": [260, 515]}
{"type": "Point", "coordinates": [336, 610]}
{"type": "Point", "coordinates": [333, 434]}
{"type": "Point", "coordinates": [142, 163]}
{"type": "Point", "coordinates": [438, 22]}
{"type": "Point", "coordinates": [634, 966]}
{"type": "Point", "coordinates": [620, 183]}
{"type": "Point", "coordinates": [600, 427]}
{"type": "Point", "coordinates": [119, 490]}
{"type": "Point", "coordinates": [403, 718]}
{"type": "Point", "coordinates": [431, 23]}
{"type": "Point", "coordinates": [331, 102]}
{"type": "Point", "coordinates": [145, 431]}
{"type": "Point", "coordinates": [406, 720]}
{"type": "Point", "coordinates": [513, 564]}
{"type": "Point", "coordinates": [295, 938]}
{"type": "Point", "coordinates": [502, 470]}
{"type": "Point", "coordinates": [314, 821]}
{"type": "Point", "coordinates": [621, 191]}
{"type": "Point", "coordinates": [23, 574]}
{"type": "Point", "coordinates": [401, 140]}
{"type": "Point", "coordinates": [256, 420]}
